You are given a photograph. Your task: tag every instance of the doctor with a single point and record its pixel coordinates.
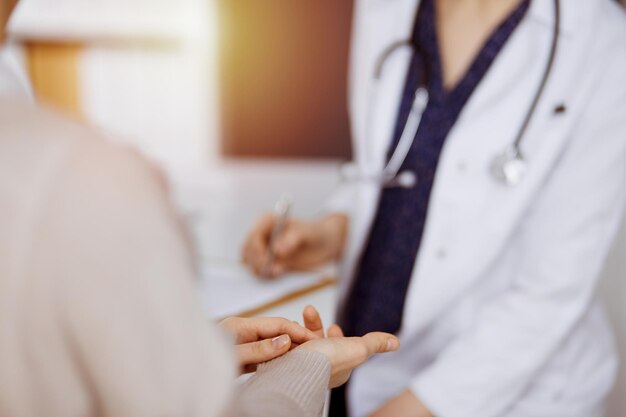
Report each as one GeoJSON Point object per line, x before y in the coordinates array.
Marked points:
{"type": "Point", "coordinates": [489, 178]}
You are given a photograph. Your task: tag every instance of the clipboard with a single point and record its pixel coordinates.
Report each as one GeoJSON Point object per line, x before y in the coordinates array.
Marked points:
{"type": "Point", "coordinates": [231, 290]}
{"type": "Point", "coordinates": [287, 298]}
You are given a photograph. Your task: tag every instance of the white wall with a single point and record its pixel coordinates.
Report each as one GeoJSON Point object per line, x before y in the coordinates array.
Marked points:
{"type": "Point", "coordinates": [147, 70]}
{"type": "Point", "coordinates": [614, 292]}
{"type": "Point", "coordinates": [162, 100]}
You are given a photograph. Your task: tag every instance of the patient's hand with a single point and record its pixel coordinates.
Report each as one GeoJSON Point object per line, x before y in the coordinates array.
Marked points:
{"type": "Point", "coordinates": [260, 340]}
{"type": "Point", "coordinates": [313, 321]}
{"type": "Point", "coordinates": [344, 353]}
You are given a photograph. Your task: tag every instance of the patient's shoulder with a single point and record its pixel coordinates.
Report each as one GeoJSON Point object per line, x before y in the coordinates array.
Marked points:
{"type": "Point", "coordinates": [38, 146]}
{"type": "Point", "coordinates": [45, 156]}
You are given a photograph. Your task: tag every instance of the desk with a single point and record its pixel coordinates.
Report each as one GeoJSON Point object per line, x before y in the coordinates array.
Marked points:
{"type": "Point", "coordinates": [221, 204]}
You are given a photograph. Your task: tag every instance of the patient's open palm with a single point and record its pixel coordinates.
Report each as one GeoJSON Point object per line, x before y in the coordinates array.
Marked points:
{"type": "Point", "coordinates": [344, 353]}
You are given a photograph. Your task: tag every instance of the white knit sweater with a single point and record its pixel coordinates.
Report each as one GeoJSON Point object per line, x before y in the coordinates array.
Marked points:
{"type": "Point", "coordinates": [98, 315]}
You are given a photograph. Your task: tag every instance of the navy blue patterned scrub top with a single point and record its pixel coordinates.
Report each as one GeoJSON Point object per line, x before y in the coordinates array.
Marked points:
{"type": "Point", "coordinates": [376, 299]}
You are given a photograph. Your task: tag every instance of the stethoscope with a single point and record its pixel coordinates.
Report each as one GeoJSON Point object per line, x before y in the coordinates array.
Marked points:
{"type": "Point", "coordinates": [508, 168]}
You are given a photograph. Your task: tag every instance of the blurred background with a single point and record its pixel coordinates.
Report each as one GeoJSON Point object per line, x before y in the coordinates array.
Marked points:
{"type": "Point", "coordinates": [268, 81]}
{"type": "Point", "coordinates": [238, 101]}
{"type": "Point", "coordinates": [283, 68]}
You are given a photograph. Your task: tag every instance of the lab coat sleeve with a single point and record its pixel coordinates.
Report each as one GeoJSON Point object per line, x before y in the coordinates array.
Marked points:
{"type": "Point", "coordinates": [563, 243]}
{"type": "Point", "coordinates": [341, 200]}
{"type": "Point", "coordinates": [344, 197]}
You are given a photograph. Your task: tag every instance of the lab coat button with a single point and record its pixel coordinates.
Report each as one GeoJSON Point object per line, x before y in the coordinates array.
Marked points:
{"type": "Point", "coordinates": [462, 166]}
{"type": "Point", "coordinates": [441, 254]}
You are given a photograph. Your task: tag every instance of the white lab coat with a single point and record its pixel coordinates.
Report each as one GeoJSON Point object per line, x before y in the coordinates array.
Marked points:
{"type": "Point", "coordinates": [501, 317]}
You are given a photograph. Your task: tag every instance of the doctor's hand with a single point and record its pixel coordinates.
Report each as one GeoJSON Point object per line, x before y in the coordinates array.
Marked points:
{"type": "Point", "coordinates": [404, 405]}
{"type": "Point", "coordinates": [262, 339]}
{"type": "Point", "coordinates": [302, 245]}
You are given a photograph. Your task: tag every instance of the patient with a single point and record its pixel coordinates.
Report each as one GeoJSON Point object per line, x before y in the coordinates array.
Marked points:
{"type": "Point", "coordinates": [98, 315]}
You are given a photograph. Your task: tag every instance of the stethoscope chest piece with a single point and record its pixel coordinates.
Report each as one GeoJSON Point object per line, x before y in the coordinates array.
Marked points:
{"type": "Point", "coordinates": [509, 167]}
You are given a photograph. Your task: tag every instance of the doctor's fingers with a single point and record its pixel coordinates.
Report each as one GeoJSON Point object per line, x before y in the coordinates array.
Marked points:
{"type": "Point", "coordinates": [286, 251]}
{"type": "Point", "coordinates": [259, 236]}
{"type": "Point", "coordinates": [264, 225]}
{"type": "Point", "coordinates": [255, 255]}
{"type": "Point", "coordinates": [295, 235]}
{"type": "Point", "coordinates": [255, 248]}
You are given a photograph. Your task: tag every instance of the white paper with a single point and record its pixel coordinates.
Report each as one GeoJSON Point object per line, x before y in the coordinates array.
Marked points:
{"type": "Point", "coordinates": [228, 290]}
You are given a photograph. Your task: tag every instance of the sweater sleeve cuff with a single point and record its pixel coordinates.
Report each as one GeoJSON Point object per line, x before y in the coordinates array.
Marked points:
{"type": "Point", "coordinates": [300, 376]}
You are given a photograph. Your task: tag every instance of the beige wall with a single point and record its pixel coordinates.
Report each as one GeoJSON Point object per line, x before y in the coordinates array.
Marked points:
{"type": "Point", "coordinates": [283, 77]}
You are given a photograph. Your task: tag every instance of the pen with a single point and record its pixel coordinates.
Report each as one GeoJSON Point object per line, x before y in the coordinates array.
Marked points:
{"type": "Point", "coordinates": [281, 210]}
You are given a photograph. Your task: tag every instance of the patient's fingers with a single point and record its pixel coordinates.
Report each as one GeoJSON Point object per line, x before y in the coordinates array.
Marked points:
{"type": "Point", "coordinates": [335, 331]}
{"type": "Point", "coordinates": [346, 353]}
{"type": "Point", "coordinates": [378, 342]}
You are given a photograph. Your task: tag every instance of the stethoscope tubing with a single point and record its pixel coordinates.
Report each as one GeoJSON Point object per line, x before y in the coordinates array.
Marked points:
{"type": "Point", "coordinates": [508, 167]}
{"type": "Point", "coordinates": [544, 79]}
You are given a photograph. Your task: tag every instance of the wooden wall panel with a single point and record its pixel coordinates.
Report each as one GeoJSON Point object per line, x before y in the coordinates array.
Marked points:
{"type": "Point", "coordinates": [283, 66]}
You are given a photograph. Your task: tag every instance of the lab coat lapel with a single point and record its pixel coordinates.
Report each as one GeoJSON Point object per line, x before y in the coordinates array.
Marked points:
{"type": "Point", "coordinates": [378, 24]}
{"type": "Point", "coordinates": [471, 216]}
